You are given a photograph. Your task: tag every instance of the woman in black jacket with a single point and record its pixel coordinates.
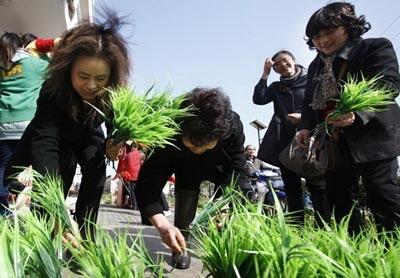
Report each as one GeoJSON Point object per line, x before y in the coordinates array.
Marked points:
{"type": "Point", "coordinates": [65, 130]}
{"type": "Point", "coordinates": [371, 141]}
{"type": "Point", "coordinates": [287, 95]}
{"type": "Point", "coordinates": [210, 147]}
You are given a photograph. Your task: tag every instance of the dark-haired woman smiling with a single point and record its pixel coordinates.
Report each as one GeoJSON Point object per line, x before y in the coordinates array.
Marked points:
{"type": "Point", "coordinates": [371, 141]}
{"type": "Point", "coordinates": [287, 95]}
{"type": "Point", "coordinates": [65, 130]}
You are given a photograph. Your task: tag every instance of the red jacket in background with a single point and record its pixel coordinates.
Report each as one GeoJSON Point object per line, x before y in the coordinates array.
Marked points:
{"type": "Point", "coordinates": [129, 166]}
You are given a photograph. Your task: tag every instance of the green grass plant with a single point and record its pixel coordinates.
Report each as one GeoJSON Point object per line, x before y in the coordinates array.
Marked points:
{"type": "Point", "coordinates": [28, 248]}
{"type": "Point", "coordinates": [364, 95]}
{"type": "Point", "coordinates": [112, 256]}
{"type": "Point", "coordinates": [253, 244]}
{"type": "Point", "coordinates": [33, 247]}
{"type": "Point", "coordinates": [11, 264]}
{"type": "Point", "coordinates": [48, 196]}
{"type": "Point", "coordinates": [150, 119]}
{"type": "Point", "coordinates": [41, 249]}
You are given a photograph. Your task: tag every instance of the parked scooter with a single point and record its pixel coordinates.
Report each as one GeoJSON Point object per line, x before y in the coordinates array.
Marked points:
{"type": "Point", "coordinates": [264, 182]}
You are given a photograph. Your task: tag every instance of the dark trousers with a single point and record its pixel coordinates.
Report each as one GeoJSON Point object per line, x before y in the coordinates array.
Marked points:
{"type": "Point", "coordinates": [7, 148]}
{"type": "Point", "coordinates": [187, 190]}
{"type": "Point", "coordinates": [93, 168]}
{"type": "Point", "coordinates": [131, 193]}
{"type": "Point", "coordinates": [89, 154]}
{"type": "Point", "coordinates": [185, 209]}
{"type": "Point", "coordinates": [381, 188]}
{"type": "Point", "coordinates": [164, 202]}
{"type": "Point", "coordinates": [295, 197]}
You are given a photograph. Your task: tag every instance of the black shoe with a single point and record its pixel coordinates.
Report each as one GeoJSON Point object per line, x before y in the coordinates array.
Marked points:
{"type": "Point", "coordinates": [180, 260]}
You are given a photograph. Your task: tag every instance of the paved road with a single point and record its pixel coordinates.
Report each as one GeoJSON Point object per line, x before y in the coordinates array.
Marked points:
{"type": "Point", "coordinates": [118, 220]}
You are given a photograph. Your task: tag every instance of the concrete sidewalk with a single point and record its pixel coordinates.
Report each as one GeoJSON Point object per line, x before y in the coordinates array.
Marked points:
{"type": "Point", "coordinates": [118, 220]}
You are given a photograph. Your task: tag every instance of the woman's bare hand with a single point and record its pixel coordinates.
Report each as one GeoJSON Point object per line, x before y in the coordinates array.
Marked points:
{"type": "Point", "coordinates": [26, 176]}
{"type": "Point", "coordinates": [113, 150]}
{"type": "Point", "coordinates": [303, 138]}
{"type": "Point", "coordinates": [344, 120]}
{"type": "Point", "coordinates": [268, 64]}
{"type": "Point", "coordinates": [294, 118]}
{"type": "Point", "coordinates": [173, 237]}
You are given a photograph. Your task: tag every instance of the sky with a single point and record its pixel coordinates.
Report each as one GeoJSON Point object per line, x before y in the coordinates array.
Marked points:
{"type": "Point", "coordinates": [224, 43]}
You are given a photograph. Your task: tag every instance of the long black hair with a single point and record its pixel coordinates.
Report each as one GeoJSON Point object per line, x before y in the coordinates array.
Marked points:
{"type": "Point", "coordinates": [9, 43]}
{"type": "Point", "coordinates": [27, 38]}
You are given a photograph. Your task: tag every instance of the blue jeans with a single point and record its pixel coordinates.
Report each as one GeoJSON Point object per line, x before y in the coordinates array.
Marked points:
{"type": "Point", "coordinates": [7, 148]}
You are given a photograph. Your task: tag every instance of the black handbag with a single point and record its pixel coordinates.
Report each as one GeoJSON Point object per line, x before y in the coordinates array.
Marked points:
{"type": "Point", "coordinates": [323, 153]}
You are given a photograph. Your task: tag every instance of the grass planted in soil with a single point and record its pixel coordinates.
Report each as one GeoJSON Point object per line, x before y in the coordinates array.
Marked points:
{"type": "Point", "coordinates": [252, 244]}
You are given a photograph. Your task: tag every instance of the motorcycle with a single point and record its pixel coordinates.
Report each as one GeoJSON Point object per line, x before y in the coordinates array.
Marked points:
{"type": "Point", "coordinates": [266, 181]}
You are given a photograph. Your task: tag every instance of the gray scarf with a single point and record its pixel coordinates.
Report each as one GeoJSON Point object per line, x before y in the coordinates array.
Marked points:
{"type": "Point", "coordinates": [294, 76]}
{"type": "Point", "coordinates": [326, 89]}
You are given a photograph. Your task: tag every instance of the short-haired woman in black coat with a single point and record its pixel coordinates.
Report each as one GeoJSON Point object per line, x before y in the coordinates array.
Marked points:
{"type": "Point", "coordinates": [370, 140]}
{"type": "Point", "coordinates": [287, 95]}
{"type": "Point", "coordinates": [209, 147]}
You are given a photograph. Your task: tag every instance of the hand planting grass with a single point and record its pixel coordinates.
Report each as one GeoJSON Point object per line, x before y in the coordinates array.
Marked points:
{"type": "Point", "coordinates": [32, 247]}
{"type": "Point", "coordinates": [148, 119]}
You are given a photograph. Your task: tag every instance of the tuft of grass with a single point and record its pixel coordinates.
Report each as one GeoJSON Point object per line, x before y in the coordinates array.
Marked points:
{"type": "Point", "coordinates": [365, 95]}
{"type": "Point", "coordinates": [32, 242]}
{"type": "Point", "coordinates": [111, 256]}
{"type": "Point", "coordinates": [149, 119]}
{"type": "Point", "coordinates": [41, 249]}
{"type": "Point", "coordinates": [48, 195]}
{"type": "Point", "coordinates": [28, 248]}
{"type": "Point", "coordinates": [253, 244]}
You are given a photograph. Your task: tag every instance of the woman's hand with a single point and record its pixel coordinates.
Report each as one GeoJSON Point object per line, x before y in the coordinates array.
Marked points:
{"type": "Point", "coordinates": [69, 239]}
{"type": "Point", "coordinates": [344, 120]}
{"type": "Point", "coordinates": [303, 138]}
{"type": "Point", "coordinates": [173, 237]}
{"type": "Point", "coordinates": [56, 42]}
{"type": "Point", "coordinates": [26, 177]}
{"type": "Point", "coordinates": [294, 118]}
{"type": "Point", "coordinates": [170, 234]}
{"type": "Point", "coordinates": [113, 150]}
{"type": "Point", "coordinates": [267, 68]}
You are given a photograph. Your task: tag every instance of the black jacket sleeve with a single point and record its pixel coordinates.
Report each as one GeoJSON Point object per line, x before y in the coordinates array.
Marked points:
{"type": "Point", "coordinates": [262, 93]}
{"type": "Point", "coordinates": [307, 114]}
{"type": "Point", "coordinates": [45, 138]}
{"type": "Point", "coordinates": [235, 151]}
{"type": "Point", "coordinates": [153, 175]}
{"type": "Point", "coordinates": [380, 60]}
